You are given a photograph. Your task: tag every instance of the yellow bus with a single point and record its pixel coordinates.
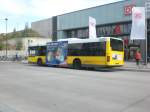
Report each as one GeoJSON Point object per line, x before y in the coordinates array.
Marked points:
{"type": "Point", "coordinates": [98, 52]}
{"type": "Point", "coordinates": [37, 54]}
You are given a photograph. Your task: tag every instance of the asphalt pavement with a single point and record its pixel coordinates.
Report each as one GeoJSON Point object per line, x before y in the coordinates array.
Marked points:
{"type": "Point", "coordinates": [30, 88]}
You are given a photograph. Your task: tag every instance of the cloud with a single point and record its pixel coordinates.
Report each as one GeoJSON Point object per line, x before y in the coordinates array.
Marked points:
{"type": "Point", "coordinates": [13, 7]}
{"type": "Point", "coordinates": [22, 11]}
{"type": "Point", "coordinates": [46, 8]}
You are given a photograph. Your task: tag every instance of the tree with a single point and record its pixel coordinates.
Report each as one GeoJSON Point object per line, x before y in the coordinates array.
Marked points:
{"type": "Point", "coordinates": [14, 34]}
{"type": "Point", "coordinates": [25, 31]}
{"type": "Point", "coordinates": [14, 31]}
{"type": "Point", "coordinates": [19, 45]}
{"type": "Point", "coordinates": [1, 45]}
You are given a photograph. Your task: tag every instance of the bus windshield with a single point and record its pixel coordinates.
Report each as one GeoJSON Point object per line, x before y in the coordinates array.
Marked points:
{"type": "Point", "coordinates": [116, 45]}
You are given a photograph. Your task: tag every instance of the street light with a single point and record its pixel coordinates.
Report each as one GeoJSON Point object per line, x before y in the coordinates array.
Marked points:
{"type": "Point", "coordinates": [6, 36]}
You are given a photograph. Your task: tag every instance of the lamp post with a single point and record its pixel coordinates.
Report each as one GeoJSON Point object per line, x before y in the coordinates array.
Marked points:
{"type": "Point", "coordinates": [147, 15]}
{"type": "Point", "coordinates": [6, 36]}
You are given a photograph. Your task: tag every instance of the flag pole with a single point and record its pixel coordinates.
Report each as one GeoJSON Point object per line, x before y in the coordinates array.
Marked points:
{"type": "Point", "coordinates": [146, 33]}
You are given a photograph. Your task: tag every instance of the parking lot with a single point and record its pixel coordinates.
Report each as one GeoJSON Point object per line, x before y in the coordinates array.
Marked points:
{"type": "Point", "coordinates": [30, 88]}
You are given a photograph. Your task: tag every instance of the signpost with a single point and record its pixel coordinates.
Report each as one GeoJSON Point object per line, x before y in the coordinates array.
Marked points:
{"type": "Point", "coordinates": [147, 15]}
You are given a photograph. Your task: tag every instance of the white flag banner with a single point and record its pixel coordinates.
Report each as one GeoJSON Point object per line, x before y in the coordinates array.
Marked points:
{"type": "Point", "coordinates": [138, 23]}
{"type": "Point", "coordinates": [92, 27]}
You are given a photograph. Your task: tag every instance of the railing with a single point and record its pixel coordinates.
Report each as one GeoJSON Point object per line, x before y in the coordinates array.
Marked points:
{"type": "Point", "coordinates": [13, 55]}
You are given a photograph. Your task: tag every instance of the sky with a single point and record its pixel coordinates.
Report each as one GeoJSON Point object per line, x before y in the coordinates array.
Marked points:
{"type": "Point", "coordinates": [21, 12]}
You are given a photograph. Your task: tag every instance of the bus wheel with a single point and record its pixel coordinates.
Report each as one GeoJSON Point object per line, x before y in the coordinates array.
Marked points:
{"type": "Point", "coordinates": [77, 64]}
{"type": "Point", "coordinates": [39, 62]}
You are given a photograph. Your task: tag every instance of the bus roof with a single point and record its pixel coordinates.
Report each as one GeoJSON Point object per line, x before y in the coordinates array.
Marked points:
{"type": "Point", "coordinates": [77, 40]}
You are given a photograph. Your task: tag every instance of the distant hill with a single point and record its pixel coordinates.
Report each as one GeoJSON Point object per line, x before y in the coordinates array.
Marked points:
{"type": "Point", "coordinates": [20, 34]}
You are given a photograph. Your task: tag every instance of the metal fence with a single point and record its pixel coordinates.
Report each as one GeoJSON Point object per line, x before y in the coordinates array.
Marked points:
{"type": "Point", "coordinates": [13, 55]}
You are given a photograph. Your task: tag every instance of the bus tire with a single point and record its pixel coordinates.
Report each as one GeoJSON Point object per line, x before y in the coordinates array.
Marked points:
{"type": "Point", "coordinates": [77, 64]}
{"type": "Point", "coordinates": [39, 61]}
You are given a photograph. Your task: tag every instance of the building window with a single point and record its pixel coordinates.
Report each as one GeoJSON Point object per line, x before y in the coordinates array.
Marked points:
{"type": "Point", "coordinates": [82, 33]}
{"type": "Point", "coordinates": [79, 33]}
{"type": "Point", "coordinates": [122, 29]}
{"type": "Point", "coordinates": [148, 25]}
{"type": "Point", "coordinates": [72, 34]}
{"type": "Point", "coordinates": [127, 28]}
{"type": "Point", "coordinates": [114, 30]}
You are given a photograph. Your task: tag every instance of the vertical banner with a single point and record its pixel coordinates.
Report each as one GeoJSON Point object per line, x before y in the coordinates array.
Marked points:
{"type": "Point", "coordinates": [92, 27]}
{"type": "Point", "coordinates": [138, 23]}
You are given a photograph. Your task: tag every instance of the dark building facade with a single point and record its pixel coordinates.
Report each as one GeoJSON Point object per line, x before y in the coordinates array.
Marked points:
{"type": "Point", "coordinates": [111, 20]}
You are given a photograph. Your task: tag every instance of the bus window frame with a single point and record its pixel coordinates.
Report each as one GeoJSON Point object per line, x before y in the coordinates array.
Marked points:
{"type": "Point", "coordinates": [36, 49]}
{"type": "Point", "coordinates": [83, 49]}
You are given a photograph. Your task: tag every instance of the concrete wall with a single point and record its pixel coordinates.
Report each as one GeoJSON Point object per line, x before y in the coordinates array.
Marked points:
{"type": "Point", "coordinates": [29, 41]}
{"type": "Point", "coordinates": [43, 27]}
